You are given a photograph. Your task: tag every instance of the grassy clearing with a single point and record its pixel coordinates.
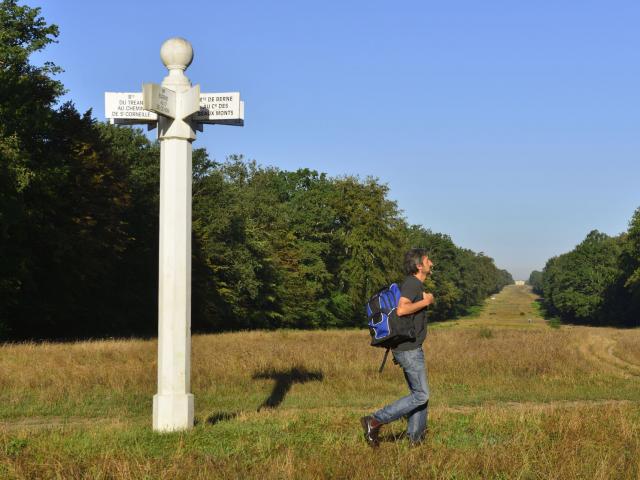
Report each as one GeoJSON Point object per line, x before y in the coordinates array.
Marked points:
{"type": "Point", "coordinates": [511, 398]}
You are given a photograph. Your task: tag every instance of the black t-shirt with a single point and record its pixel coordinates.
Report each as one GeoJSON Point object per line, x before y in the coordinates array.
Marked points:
{"type": "Point", "coordinates": [412, 288]}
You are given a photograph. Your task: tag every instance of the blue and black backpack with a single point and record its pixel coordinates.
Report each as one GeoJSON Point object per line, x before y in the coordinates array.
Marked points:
{"type": "Point", "coordinates": [387, 329]}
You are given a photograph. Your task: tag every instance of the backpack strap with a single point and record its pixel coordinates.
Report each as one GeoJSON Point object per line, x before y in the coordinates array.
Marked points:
{"type": "Point", "coordinates": [384, 360]}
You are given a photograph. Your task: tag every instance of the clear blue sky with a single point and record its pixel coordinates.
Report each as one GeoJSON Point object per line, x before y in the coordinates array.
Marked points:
{"type": "Point", "coordinates": [514, 127]}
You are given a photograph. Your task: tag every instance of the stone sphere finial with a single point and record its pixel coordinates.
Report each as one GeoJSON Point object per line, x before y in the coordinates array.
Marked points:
{"type": "Point", "coordinates": [176, 53]}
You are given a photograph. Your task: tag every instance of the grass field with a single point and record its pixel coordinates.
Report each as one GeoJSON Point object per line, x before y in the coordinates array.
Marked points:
{"type": "Point", "coordinates": [511, 398]}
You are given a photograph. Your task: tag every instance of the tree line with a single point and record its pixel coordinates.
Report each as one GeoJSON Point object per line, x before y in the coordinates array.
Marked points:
{"type": "Point", "coordinates": [271, 248]}
{"type": "Point", "coordinates": [596, 283]}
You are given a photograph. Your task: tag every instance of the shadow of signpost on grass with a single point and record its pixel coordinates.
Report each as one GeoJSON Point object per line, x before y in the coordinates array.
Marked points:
{"type": "Point", "coordinates": [220, 417]}
{"type": "Point", "coordinates": [284, 381]}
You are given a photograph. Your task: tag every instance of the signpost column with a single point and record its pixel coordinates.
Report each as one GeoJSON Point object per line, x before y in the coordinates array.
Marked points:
{"type": "Point", "coordinates": [178, 109]}
{"type": "Point", "coordinates": [173, 404]}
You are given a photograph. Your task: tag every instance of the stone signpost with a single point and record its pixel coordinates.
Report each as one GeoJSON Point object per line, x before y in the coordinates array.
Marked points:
{"type": "Point", "coordinates": [178, 110]}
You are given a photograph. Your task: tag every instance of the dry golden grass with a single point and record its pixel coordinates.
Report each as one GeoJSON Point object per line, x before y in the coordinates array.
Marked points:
{"type": "Point", "coordinates": [511, 398]}
{"type": "Point", "coordinates": [627, 347]}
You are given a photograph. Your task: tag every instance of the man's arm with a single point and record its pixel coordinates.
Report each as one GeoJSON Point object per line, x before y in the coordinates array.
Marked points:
{"type": "Point", "coordinates": [406, 307]}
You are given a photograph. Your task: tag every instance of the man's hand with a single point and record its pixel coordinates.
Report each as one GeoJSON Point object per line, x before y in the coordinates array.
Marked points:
{"type": "Point", "coordinates": [428, 297]}
{"type": "Point", "coordinates": [406, 307]}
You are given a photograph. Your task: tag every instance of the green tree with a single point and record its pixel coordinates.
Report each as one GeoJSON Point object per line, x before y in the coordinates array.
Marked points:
{"type": "Point", "coordinates": [575, 284]}
{"type": "Point", "coordinates": [535, 280]}
{"type": "Point", "coordinates": [235, 221]}
{"type": "Point", "coordinates": [629, 289]}
{"type": "Point", "coordinates": [27, 94]}
{"type": "Point", "coordinates": [69, 226]}
{"type": "Point", "coordinates": [368, 240]}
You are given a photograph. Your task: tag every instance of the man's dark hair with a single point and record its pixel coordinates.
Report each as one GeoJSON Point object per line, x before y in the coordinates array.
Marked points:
{"type": "Point", "coordinates": [412, 259]}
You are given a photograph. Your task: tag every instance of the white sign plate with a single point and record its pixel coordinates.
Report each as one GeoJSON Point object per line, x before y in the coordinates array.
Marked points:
{"type": "Point", "coordinates": [238, 122]}
{"type": "Point", "coordinates": [159, 99]}
{"type": "Point", "coordinates": [219, 106]}
{"type": "Point", "coordinates": [127, 107]}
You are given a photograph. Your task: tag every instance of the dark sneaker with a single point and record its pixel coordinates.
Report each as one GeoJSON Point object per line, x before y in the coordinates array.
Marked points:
{"type": "Point", "coordinates": [370, 433]}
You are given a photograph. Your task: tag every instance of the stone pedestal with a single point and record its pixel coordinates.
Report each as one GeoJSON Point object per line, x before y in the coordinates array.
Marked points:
{"type": "Point", "coordinates": [172, 412]}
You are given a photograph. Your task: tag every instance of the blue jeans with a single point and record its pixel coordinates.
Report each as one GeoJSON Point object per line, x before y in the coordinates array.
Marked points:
{"type": "Point", "coordinates": [413, 406]}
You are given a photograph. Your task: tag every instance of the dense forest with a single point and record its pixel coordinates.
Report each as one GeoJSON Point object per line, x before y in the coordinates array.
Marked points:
{"type": "Point", "coordinates": [271, 248]}
{"type": "Point", "coordinates": [598, 282]}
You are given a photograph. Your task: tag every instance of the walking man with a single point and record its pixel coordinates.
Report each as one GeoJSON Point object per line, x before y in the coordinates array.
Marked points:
{"type": "Point", "coordinates": [409, 355]}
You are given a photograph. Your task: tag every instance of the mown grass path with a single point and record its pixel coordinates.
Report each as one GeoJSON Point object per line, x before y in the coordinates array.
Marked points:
{"type": "Point", "coordinates": [514, 307]}
{"type": "Point", "coordinates": [511, 398]}
{"type": "Point", "coordinates": [600, 346]}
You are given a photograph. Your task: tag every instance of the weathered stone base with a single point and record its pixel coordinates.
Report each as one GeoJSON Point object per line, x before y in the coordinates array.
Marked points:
{"type": "Point", "coordinates": [172, 412]}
